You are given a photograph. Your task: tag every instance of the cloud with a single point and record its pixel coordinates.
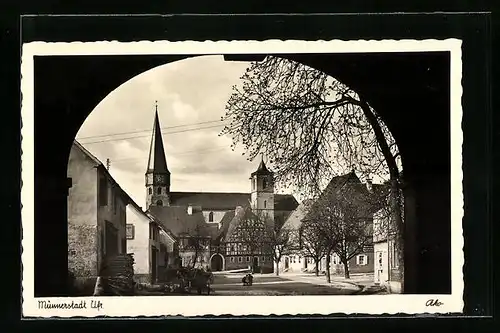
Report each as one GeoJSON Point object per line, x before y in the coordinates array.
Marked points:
{"type": "Point", "coordinates": [191, 95]}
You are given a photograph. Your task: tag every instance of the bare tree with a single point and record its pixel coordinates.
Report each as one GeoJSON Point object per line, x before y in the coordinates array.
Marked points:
{"type": "Point", "coordinates": [312, 243]}
{"type": "Point", "coordinates": [344, 217]}
{"type": "Point", "coordinates": [196, 241]}
{"type": "Point", "coordinates": [278, 239]}
{"type": "Point", "coordinates": [261, 235]}
{"type": "Point", "coordinates": [311, 126]}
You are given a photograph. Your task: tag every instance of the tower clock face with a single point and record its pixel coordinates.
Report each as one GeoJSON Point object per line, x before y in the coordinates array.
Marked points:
{"type": "Point", "coordinates": [159, 178]}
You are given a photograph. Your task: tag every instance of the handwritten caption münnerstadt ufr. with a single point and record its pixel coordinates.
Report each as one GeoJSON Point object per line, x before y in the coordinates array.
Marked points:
{"type": "Point", "coordinates": [70, 305]}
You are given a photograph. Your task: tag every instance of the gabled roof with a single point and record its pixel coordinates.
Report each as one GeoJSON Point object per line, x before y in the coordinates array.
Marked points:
{"type": "Point", "coordinates": [162, 227]}
{"type": "Point", "coordinates": [294, 221]}
{"type": "Point", "coordinates": [227, 201]}
{"type": "Point", "coordinates": [179, 222]}
{"type": "Point", "coordinates": [225, 222]}
{"type": "Point", "coordinates": [239, 215]}
{"type": "Point", "coordinates": [157, 161]}
{"type": "Point", "coordinates": [349, 184]}
{"type": "Point", "coordinates": [87, 153]}
{"type": "Point", "coordinates": [100, 165]}
{"type": "Point", "coordinates": [338, 182]}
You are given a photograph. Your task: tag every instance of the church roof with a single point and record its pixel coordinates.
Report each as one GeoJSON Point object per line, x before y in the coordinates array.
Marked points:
{"type": "Point", "coordinates": [178, 221]}
{"type": "Point", "coordinates": [157, 161]}
{"type": "Point", "coordinates": [262, 170]}
{"type": "Point", "coordinates": [227, 201]}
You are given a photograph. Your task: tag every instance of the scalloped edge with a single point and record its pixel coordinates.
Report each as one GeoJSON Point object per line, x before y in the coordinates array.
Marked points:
{"type": "Point", "coordinates": [142, 307]}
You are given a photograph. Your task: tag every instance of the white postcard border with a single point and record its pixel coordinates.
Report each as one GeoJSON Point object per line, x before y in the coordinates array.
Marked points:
{"type": "Point", "coordinates": [240, 305]}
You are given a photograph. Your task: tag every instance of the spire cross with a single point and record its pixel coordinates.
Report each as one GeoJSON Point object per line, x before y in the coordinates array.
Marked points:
{"type": "Point", "coordinates": [156, 106]}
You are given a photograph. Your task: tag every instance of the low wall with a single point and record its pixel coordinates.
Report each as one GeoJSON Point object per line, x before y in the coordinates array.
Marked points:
{"type": "Point", "coordinates": [142, 278]}
{"type": "Point", "coordinates": [82, 286]}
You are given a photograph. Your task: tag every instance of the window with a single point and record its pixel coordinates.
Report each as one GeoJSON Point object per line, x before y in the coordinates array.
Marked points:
{"type": "Point", "coordinates": [240, 259]}
{"type": "Point", "coordinates": [265, 204]}
{"type": "Point", "coordinates": [211, 217]}
{"type": "Point", "coordinates": [264, 183]}
{"type": "Point", "coordinates": [159, 203]}
{"type": "Point", "coordinates": [380, 260]}
{"type": "Point", "coordinates": [299, 260]}
{"type": "Point", "coordinates": [150, 191]}
{"type": "Point", "coordinates": [263, 259]}
{"type": "Point", "coordinates": [362, 260]}
{"type": "Point", "coordinates": [231, 259]}
{"type": "Point", "coordinates": [248, 259]}
{"type": "Point", "coordinates": [103, 191]}
{"type": "Point", "coordinates": [158, 190]}
{"type": "Point", "coordinates": [130, 231]}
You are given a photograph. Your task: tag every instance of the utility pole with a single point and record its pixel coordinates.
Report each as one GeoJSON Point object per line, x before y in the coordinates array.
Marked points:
{"type": "Point", "coordinates": [108, 164]}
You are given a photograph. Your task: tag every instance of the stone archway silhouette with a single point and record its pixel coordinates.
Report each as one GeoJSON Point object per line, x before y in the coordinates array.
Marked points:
{"type": "Point", "coordinates": [406, 89]}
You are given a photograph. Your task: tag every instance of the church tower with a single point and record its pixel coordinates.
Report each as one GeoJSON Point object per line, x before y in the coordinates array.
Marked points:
{"type": "Point", "coordinates": [262, 195]}
{"type": "Point", "coordinates": [157, 178]}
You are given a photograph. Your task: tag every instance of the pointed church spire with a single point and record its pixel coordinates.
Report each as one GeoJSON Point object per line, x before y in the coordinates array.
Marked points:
{"type": "Point", "coordinates": [157, 161]}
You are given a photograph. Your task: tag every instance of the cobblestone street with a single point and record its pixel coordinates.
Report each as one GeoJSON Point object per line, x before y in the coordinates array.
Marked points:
{"type": "Point", "coordinates": [288, 284]}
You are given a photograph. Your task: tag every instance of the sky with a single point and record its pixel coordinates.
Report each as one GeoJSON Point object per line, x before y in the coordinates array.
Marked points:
{"type": "Point", "coordinates": [191, 95]}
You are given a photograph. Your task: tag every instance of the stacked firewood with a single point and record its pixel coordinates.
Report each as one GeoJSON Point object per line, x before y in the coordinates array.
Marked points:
{"type": "Point", "coordinates": [118, 275]}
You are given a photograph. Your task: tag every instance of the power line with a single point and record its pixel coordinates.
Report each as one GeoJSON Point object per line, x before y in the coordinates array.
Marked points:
{"type": "Point", "coordinates": [148, 130]}
{"type": "Point", "coordinates": [148, 135]}
{"type": "Point", "coordinates": [201, 151]}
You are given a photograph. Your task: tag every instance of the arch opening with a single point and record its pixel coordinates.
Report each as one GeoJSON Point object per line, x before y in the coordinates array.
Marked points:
{"type": "Point", "coordinates": [405, 132]}
{"type": "Point", "coordinates": [217, 263]}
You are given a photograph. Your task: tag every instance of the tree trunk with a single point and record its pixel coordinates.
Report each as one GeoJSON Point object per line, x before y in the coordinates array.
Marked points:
{"type": "Point", "coordinates": [278, 267]}
{"type": "Point", "coordinates": [328, 278]}
{"type": "Point", "coordinates": [346, 269]}
{"type": "Point", "coordinates": [394, 177]}
{"type": "Point", "coordinates": [399, 237]}
{"type": "Point", "coordinates": [195, 258]}
{"type": "Point", "coordinates": [316, 271]}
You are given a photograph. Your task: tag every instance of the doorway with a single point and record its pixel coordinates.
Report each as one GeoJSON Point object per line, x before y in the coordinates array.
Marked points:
{"type": "Point", "coordinates": [154, 264]}
{"type": "Point", "coordinates": [111, 240]}
{"type": "Point", "coordinates": [255, 264]}
{"type": "Point", "coordinates": [287, 263]}
{"type": "Point", "coordinates": [216, 263]}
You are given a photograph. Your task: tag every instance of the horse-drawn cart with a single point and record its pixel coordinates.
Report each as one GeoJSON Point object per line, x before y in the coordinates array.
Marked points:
{"type": "Point", "coordinates": [197, 279]}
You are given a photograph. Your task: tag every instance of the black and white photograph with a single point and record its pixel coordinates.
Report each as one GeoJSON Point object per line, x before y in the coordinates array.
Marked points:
{"type": "Point", "coordinates": [328, 173]}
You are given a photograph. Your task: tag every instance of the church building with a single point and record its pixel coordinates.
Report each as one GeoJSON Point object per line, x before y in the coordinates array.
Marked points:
{"type": "Point", "coordinates": [205, 221]}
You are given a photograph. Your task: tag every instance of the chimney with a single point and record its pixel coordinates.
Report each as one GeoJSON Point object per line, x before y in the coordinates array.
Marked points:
{"type": "Point", "coordinates": [369, 184]}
